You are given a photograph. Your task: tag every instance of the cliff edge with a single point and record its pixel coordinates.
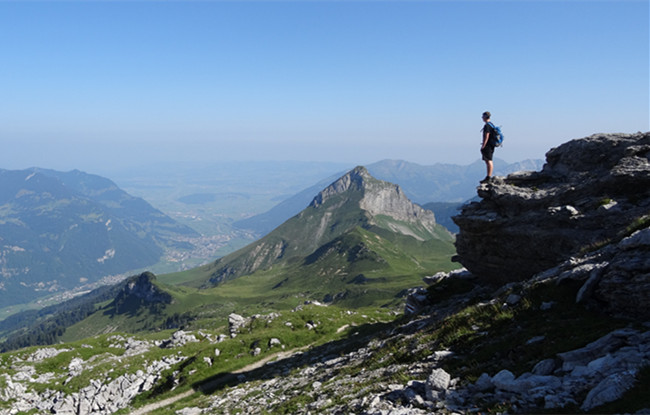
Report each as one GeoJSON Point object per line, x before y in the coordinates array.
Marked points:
{"type": "Point", "coordinates": [592, 192]}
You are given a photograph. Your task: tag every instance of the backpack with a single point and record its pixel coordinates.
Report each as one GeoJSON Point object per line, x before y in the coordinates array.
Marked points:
{"type": "Point", "coordinates": [498, 138]}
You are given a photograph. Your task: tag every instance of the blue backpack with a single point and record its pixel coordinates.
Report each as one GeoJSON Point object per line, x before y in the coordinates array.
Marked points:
{"type": "Point", "coordinates": [498, 138]}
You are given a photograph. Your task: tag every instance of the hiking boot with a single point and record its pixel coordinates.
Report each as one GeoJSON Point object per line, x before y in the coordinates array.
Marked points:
{"type": "Point", "coordinates": [486, 180]}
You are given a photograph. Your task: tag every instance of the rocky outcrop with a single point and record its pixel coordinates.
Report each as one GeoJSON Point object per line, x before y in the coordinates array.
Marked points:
{"type": "Point", "coordinates": [140, 291]}
{"type": "Point", "coordinates": [615, 278]}
{"type": "Point", "coordinates": [143, 288]}
{"type": "Point", "coordinates": [178, 339]}
{"type": "Point", "coordinates": [588, 194]}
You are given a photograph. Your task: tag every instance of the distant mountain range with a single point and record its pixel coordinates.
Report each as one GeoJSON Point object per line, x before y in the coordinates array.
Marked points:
{"type": "Point", "coordinates": [59, 230]}
{"type": "Point", "coordinates": [446, 185]}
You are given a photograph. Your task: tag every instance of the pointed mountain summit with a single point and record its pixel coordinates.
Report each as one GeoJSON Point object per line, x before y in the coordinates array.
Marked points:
{"type": "Point", "coordinates": [383, 203]}
{"type": "Point", "coordinates": [356, 203]}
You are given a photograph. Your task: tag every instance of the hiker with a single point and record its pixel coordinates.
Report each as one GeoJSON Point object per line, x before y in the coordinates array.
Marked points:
{"type": "Point", "coordinates": [487, 145]}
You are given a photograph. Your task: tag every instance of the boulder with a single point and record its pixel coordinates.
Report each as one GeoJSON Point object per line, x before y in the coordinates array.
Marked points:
{"type": "Point", "coordinates": [437, 384]}
{"type": "Point", "coordinates": [609, 389]}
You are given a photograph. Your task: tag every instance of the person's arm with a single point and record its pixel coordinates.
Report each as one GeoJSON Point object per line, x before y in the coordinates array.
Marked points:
{"type": "Point", "coordinates": [486, 137]}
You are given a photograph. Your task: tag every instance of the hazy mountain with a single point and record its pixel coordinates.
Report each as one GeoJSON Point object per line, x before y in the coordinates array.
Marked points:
{"type": "Point", "coordinates": [59, 230]}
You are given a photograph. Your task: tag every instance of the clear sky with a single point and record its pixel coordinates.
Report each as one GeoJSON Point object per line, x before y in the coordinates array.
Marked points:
{"type": "Point", "coordinates": [87, 84]}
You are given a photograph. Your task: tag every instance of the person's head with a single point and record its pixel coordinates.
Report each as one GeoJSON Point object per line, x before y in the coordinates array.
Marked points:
{"type": "Point", "coordinates": [486, 116]}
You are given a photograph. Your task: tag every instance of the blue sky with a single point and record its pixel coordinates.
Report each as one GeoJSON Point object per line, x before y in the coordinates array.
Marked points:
{"type": "Point", "coordinates": [90, 84]}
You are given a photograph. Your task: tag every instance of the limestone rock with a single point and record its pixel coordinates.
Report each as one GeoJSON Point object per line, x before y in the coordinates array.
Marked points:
{"type": "Point", "coordinates": [235, 323]}
{"type": "Point", "coordinates": [179, 338]}
{"type": "Point", "coordinates": [437, 384]}
{"type": "Point", "coordinates": [512, 234]}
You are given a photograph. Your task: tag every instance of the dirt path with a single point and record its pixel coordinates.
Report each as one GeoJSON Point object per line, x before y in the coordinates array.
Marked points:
{"type": "Point", "coordinates": [216, 382]}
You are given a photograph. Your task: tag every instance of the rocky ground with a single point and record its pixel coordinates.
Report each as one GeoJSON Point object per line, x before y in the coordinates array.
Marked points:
{"type": "Point", "coordinates": [319, 383]}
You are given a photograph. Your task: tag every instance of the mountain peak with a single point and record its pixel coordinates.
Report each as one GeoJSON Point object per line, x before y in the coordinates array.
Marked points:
{"type": "Point", "coordinates": [377, 198]}
{"type": "Point", "coordinates": [355, 179]}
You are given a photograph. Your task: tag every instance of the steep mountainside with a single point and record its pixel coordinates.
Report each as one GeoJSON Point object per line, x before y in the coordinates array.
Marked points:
{"type": "Point", "coordinates": [59, 230]}
{"type": "Point", "coordinates": [135, 212]}
{"type": "Point", "coordinates": [356, 200]}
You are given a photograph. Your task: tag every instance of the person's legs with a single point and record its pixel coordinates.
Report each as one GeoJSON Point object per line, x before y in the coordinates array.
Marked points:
{"type": "Point", "coordinates": [487, 152]}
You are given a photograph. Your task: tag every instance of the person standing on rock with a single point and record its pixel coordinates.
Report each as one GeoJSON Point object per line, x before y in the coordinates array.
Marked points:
{"type": "Point", "coordinates": [487, 145]}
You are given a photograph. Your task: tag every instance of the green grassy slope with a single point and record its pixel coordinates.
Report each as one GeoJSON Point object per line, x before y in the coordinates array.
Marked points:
{"type": "Point", "coordinates": [359, 268]}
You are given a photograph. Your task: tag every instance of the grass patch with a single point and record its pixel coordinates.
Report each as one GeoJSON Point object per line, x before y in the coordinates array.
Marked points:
{"type": "Point", "coordinates": [491, 338]}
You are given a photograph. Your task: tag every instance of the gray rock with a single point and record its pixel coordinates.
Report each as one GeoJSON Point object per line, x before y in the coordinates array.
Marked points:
{"type": "Point", "coordinates": [484, 383]}
{"type": "Point", "coordinates": [75, 367]}
{"type": "Point", "coordinates": [609, 389]}
{"type": "Point", "coordinates": [503, 378]}
{"type": "Point", "coordinates": [547, 305]}
{"type": "Point", "coordinates": [235, 323]}
{"type": "Point", "coordinates": [596, 349]}
{"type": "Point", "coordinates": [415, 300]}
{"type": "Point", "coordinates": [189, 411]}
{"type": "Point", "coordinates": [513, 299]}
{"type": "Point", "coordinates": [437, 384]}
{"type": "Point", "coordinates": [544, 367]}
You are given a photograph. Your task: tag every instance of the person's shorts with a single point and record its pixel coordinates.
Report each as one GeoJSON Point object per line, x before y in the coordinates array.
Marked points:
{"type": "Point", "coordinates": [487, 152]}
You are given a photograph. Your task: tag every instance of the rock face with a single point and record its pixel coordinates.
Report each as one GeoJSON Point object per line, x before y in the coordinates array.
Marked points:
{"type": "Point", "coordinates": [379, 198]}
{"type": "Point", "coordinates": [588, 193]}
{"type": "Point", "coordinates": [142, 287]}
{"type": "Point", "coordinates": [615, 278]}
